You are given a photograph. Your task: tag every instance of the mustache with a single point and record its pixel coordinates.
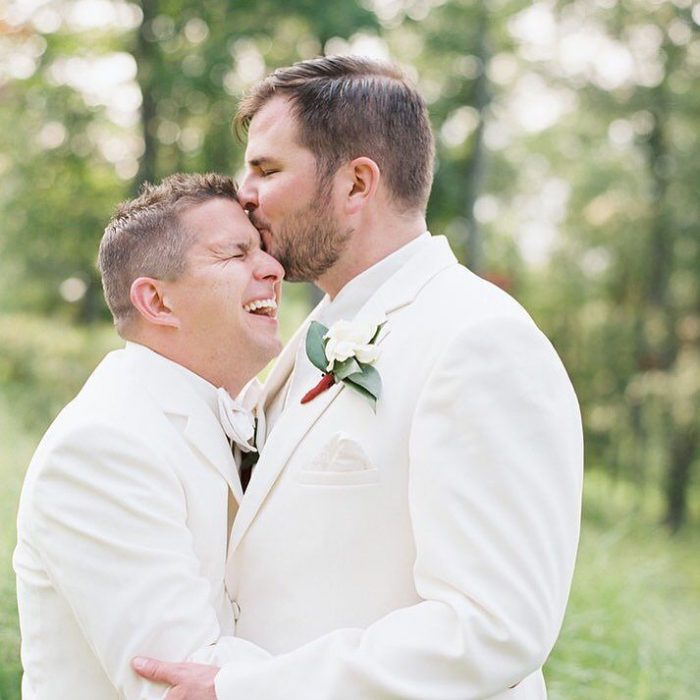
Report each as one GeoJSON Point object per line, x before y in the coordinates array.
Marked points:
{"type": "Point", "coordinates": [257, 221]}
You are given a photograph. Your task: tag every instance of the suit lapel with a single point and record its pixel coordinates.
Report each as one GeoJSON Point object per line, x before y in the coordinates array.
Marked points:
{"type": "Point", "coordinates": [293, 425]}
{"type": "Point", "coordinates": [280, 373]}
{"type": "Point", "coordinates": [296, 421]}
{"type": "Point", "coordinates": [186, 410]}
{"type": "Point", "coordinates": [209, 439]}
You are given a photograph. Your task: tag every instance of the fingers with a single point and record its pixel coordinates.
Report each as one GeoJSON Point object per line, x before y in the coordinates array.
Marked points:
{"type": "Point", "coordinates": [189, 681]}
{"type": "Point", "coordinates": [157, 671]}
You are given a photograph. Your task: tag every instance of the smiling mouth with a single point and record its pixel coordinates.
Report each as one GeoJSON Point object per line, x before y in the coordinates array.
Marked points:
{"type": "Point", "coordinates": [262, 307]}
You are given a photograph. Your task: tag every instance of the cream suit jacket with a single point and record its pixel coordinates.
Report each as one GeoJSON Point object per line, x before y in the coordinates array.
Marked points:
{"type": "Point", "coordinates": [424, 551]}
{"type": "Point", "coordinates": [121, 535]}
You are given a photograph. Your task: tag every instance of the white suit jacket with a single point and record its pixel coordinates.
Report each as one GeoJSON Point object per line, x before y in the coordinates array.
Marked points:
{"type": "Point", "coordinates": [425, 551]}
{"type": "Point", "coordinates": [121, 534]}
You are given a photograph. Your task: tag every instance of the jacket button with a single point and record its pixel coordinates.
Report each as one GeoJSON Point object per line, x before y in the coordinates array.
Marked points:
{"type": "Point", "coordinates": [236, 610]}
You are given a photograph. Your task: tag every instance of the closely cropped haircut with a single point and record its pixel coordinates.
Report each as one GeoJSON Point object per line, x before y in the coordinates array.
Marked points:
{"type": "Point", "coordinates": [145, 237]}
{"type": "Point", "coordinates": [348, 107]}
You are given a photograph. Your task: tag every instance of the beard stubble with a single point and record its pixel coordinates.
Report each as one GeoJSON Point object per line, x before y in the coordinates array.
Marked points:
{"type": "Point", "coordinates": [309, 241]}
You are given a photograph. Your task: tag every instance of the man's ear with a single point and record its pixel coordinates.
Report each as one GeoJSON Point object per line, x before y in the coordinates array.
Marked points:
{"type": "Point", "coordinates": [362, 181]}
{"type": "Point", "coordinates": [149, 299]}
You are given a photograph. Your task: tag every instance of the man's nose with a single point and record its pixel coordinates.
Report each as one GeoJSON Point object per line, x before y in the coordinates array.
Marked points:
{"type": "Point", "coordinates": [268, 268]}
{"type": "Point", "coordinates": [247, 194]}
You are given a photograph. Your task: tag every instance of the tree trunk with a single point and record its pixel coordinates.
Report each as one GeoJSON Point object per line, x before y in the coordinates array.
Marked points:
{"type": "Point", "coordinates": [146, 53]}
{"type": "Point", "coordinates": [662, 354]}
{"type": "Point", "coordinates": [683, 452]}
{"type": "Point", "coordinates": [661, 248]}
{"type": "Point", "coordinates": [475, 167]}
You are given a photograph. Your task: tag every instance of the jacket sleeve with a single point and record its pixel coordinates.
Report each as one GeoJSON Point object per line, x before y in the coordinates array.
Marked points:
{"type": "Point", "coordinates": [494, 493]}
{"type": "Point", "coordinates": [110, 525]}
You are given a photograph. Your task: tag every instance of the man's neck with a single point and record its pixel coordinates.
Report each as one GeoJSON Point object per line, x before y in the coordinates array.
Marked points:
{"type": "Point", "coordinates": [367, 249]}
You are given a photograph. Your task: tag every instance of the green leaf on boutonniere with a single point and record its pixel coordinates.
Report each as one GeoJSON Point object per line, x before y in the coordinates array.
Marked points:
{"type": "Point", "coordinates": [347, 368]}
{"type": "Point", "coordinates": [315, 346]}
{"type": "Point", "coordinates": [368, 383]}
{"type": "Point", "coordinates": [361, 390]}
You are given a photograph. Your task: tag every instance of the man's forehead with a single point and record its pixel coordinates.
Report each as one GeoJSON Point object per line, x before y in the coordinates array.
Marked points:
{"type": "Point", "coordinates": [210, 212]}
{"type": "Point", "coordinates": [277, 113]}
{"type": "Point", "coordinates": [274, 122]}
{"type": "Point", "coordinates": [220, 222]}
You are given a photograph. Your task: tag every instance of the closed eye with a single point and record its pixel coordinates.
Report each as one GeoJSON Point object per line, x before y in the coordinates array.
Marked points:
{"type": "Point", "coordinates": [225, 256]}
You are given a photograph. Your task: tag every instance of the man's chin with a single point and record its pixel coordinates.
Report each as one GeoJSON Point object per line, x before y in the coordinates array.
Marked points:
{"type": "Point", "coordinates": [268, 349]}
{"type": "Point", "coordinates": [276, 347]}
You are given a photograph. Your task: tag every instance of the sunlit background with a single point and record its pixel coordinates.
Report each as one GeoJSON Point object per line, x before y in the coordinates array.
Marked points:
{"type": "Point", "coordinates": [568, 173]}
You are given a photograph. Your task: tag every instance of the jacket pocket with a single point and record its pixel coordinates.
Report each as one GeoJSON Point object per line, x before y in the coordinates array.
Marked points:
{"type": "Point", "coordinates": [341, 462]}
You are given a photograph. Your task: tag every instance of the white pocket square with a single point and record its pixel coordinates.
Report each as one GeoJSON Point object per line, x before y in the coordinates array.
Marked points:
{"type": "Point", "coordinates": [340, 454]}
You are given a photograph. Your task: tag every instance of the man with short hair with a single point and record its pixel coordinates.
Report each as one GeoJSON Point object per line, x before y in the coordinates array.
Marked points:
{"type": "Point", "coordinates": [420, 546]}
{"type": "Point", "coordinates": [121, 528]}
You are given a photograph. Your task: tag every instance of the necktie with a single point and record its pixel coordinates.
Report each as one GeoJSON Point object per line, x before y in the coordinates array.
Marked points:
{"type": "Point", "coordinates": [248, 461]}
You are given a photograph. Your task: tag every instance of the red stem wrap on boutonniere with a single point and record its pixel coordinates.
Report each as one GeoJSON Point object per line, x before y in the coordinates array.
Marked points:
{"type": "Point", "coordinates": [327, 381]}
{"type": "Point", "coordinates": [345, 353]}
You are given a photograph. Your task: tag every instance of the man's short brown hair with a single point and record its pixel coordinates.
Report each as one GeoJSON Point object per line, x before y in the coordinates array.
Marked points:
{"type": "Point", "coordinates": [347, 107]}
{"type": "Point", "coordinates": [145, 237]}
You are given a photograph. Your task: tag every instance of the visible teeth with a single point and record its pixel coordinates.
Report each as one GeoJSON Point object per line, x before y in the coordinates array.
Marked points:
{"type": "Point", "coordinates": [260, 304]}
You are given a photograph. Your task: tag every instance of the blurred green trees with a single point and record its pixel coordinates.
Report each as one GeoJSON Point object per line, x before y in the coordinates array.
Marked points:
{"type": "Point", "coordinates": [568, 164]}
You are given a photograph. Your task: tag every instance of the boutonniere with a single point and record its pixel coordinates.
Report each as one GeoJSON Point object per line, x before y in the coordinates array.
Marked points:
{"type": "Point", "coordinates": [345, 352]}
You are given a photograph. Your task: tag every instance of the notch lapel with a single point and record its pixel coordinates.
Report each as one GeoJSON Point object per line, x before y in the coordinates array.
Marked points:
{"type": "Point", "coordinates": [202, 429]}
{"type": "Point", "coordinates": [206, 435]}
{"type": "Point", "coordinates": [291, 428]}
{"type": "Point", "coordinates": [280, 374]}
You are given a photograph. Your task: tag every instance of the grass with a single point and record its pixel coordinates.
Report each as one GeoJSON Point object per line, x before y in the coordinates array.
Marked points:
{"type": "Point", "coordinates": [631, 631]}
{"type": "Point", "coordinates": [17, 446]}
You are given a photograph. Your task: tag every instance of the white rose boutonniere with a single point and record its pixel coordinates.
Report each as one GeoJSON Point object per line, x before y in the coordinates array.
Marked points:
{"type": "Point", "coordinates": [345, 352]}
{"type": "Point", "coordinates": [351, 339]}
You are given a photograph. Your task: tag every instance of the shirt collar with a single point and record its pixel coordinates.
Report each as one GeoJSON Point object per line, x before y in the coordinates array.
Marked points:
{"type": "Point", "coordinates": [155, 362]}
{"type": "Point", "coordinates": [353, 296]}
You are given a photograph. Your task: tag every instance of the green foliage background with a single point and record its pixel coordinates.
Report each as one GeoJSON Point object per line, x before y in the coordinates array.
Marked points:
{"type": "Point", "coordinates": [567, 172]}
